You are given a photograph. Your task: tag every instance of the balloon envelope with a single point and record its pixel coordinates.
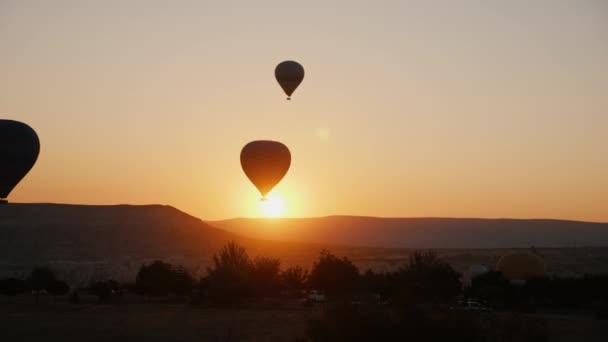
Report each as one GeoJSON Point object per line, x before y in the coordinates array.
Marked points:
{"type": "Point", "coordinates": [19, 148]}
{"type": "Point", "coordinates": [289, 74]}
{"type": "Point", "coordinates": [265, 163]}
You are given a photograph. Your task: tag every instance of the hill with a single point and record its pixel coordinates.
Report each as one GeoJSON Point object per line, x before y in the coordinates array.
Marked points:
{"type": "Point", "coordinates": [423, 232]}
{"type": "Point", "coordinates": [93, 232]}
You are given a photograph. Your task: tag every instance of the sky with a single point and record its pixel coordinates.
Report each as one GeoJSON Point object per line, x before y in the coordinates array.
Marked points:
{"type": "Point", "coordinates": [408, 108]}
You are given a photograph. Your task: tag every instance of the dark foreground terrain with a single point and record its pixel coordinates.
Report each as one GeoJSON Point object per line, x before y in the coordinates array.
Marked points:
{"type": "Point", "coordinates": [59, 320]}
{"type": "Point", "coordinates": [62, 321]}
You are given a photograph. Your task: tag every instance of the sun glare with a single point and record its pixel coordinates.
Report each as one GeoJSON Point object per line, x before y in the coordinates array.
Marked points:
{"type": "Point", "coordinates": [273, 206]}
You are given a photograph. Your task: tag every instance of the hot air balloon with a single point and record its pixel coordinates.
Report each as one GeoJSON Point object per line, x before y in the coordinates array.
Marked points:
{"type": "Point", "coordinates": [19, 148]}
{"type": "Point", "coordinates": [289, 74]}
{"type": "Point", "coordinates": [265, 163]}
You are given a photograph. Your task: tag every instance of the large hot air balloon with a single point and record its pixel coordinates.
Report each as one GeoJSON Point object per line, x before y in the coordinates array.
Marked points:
{"type": "Point", "coordinates": [19, 148]}
{"type": "Point", "coordinates": [265, 163]}
{"type": "Point", "coordinates": [289, 74]}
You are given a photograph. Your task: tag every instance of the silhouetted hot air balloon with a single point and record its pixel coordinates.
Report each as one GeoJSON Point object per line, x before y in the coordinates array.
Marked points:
{"type": "Point", "coordinates": [19, 148]}
{"type": "Point", "coordinates": [289, 74]}
{"type": "Point", "coordinates": [265, 163]}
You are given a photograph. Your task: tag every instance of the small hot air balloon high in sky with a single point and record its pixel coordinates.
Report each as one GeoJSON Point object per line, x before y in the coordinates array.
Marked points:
{"type": "Point", "coordinates": [289, 74]}
{"type": "Point", "coordinates": [265, 163]}
{"type": "Point", "coordinates": [19, 148]}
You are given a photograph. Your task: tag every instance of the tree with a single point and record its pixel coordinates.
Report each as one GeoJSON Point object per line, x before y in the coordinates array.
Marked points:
{"type": "Point", "coordinates": [294, 279]}
{"type": "Point", "coordinates": [426, 278]}
{"type": "Point", "coordinates": [161, 279]}
{"type": "Point", "coordinates": [335, 276]}
{"type": "Point", "coordinates": [12, 286]}
{"type": "Point", "coordinates": [228, 280]}
{"type": "Point", "coordinates": [265, 276]}
{"type": "Point", "coordinates": [39, 280]}
{"type": "Point", "coordinates": [154, 279]}
{"type": "Point", "coordinates": [376, 283]}
{"type": "Point", "coordinates": [183, 282]}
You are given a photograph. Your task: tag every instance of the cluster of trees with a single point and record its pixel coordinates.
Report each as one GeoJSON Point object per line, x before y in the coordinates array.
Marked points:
{"type": "Point", "coordinates": [236, 277]}
{"type": "Point", "coordinates": [42, 279]}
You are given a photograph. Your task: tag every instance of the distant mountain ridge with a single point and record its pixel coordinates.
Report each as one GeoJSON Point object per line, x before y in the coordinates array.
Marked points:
{"type": "Point", "coordinates": [85, 242]}
{"type": "Point", "coordinates": [423, 232]}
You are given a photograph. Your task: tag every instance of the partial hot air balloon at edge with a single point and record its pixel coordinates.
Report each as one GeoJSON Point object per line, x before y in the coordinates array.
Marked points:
{"type": "Point", "coordinates": [19, 149]}
{"type": "Point", "coordinates": [289, 74]}
{"type": "Point", "coordinates": [265, 163]}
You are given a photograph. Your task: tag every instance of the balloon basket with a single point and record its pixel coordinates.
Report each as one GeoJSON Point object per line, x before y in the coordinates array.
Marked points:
{"type": "Point", "coordinates": [263, 199]}
{"type": "Point", "coordinates": [289, 99]}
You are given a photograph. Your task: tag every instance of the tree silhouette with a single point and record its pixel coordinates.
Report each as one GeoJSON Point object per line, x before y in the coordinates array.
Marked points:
{"type": "Point", "coordinates": [265, 276]}
{"type": "Point", "coordinates": [335, 276]}
{"type": "Point", "coordinates": [228, 280]}
{"type": "Point", "coordinates": [161, 279]}
{"type": "Point", "coordinates": [294, 279]}
{"type": "Point", "coordinates": [39, 280]}
{"type": "Point", "coordinates": [426, 278]}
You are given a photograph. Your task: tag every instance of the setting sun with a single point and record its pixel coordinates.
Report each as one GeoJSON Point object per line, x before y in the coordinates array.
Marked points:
{"type": "Point", "coordinates": [273, 206]}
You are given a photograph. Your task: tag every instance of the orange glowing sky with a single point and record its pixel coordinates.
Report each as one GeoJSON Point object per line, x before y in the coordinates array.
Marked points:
{"type": "Point", "coordinates": [408, 108]}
